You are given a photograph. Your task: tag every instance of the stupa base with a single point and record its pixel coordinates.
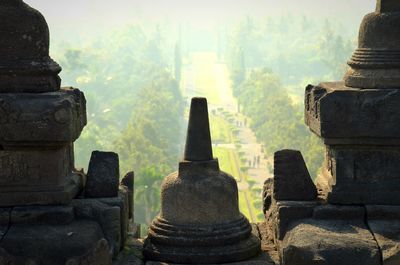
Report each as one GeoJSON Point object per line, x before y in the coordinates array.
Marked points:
{"type": "Point", "coordinates": [241, 251]}
{"type": "Point", "coordinates": [261, 259]}
{"type": "Point", "coordinates": [216, 244]}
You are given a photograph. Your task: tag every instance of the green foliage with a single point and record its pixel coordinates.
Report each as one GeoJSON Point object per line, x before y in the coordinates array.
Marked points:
{"type": "Point", "coordinates": [299, 50]}
{"type": "Point", "coordinates": [152, 136]}
{"type": "Point", "coordinates": [134, 106]}
{"type": "Point", "coordinates": [147, 194]}
{"type": "Point", "coordinates": [276, 121]}
{"type": "Point", "coordinates": [295, 47]}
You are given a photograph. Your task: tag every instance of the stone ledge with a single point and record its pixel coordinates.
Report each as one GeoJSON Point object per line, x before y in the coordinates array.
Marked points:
{"type": "Point", "coordinates": [384, 223]}
{"type": "Point", "coordinates": [60, 195]}
{"type": "Point", "coordinates": [35, 118]}
{"type": "Point", "coordinates": [330, 242]}
{"type": "Point", "coordinates": [375, 113]}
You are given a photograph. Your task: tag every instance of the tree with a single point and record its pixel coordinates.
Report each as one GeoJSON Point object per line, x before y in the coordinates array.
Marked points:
{"type": "Point", "coordinates": [147, 194]}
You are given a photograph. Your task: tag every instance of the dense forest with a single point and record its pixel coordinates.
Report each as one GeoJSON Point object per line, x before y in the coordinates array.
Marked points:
{"type": "Point", "coordinates": [271, 61]}
{"type": "Point", "coordinates": [136, 107]}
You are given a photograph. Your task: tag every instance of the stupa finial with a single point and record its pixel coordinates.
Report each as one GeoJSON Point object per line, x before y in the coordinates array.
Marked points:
{"type": "Point", "coordinates": [198, 139]}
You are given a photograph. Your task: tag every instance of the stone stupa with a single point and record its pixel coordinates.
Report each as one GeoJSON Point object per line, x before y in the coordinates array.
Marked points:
{"type": "Point", "coordinates": [50, 213]}
{"type": "Point", "coordinates": [200, 221]}
{"type": "Point", "coordinates": [355, 219]}
{"type": "Point", "coordinates": [376, 62]}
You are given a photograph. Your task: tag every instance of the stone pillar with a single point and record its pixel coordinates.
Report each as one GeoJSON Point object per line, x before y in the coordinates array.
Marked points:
{"type": "Point", "coordinates": [200, 222]}
{"type": "Point", "coordinates": [48, 214]}
{"type": "Point", "coordinates": [354, 220]}
{"type": "Point", "coordinates": [39, 121]}
{"type": "Point", "coordinates": [359, 118]}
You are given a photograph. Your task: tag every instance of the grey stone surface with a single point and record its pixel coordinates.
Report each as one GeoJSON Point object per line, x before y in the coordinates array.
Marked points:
{"type": "Point", "coordinates": [50, 244]}
{"type": "Point", "coordinates": [360, 129]}
{"type": "Point", "coordinates": [25, 65]}
{"type": "Point", "coordinates": [53, 215]}
{"type": "Point", "coordinates": [268, 245]}
{"type": "Point", "coordinates": [103, 175]}
{"type": "Point", "coordinates": [128, 182]}
{"type": "Point", "coordinates": [261, 259]}
{"type": "Point", "coordinates": [98, 255]}
{"type": "Point", "coordinates": [292, 182]}
{"type": "Point", "coordinates": [264, 258]}
{"type": "Point", "coordinates": [62, 194]}
{"type": "Point", "coordinates": [359, 175]}
{"type": "Point", "coordinates": [267, 194]}
{"type": "Point", "coordinates": [201, 186]}
{"type": "Point", "coordinates": [283, 214]}
{"type": "Point", "coordinates": [122, 202]}
{"type": "Point", "coordinates": [200, 221]}
{"type": "Point", "coordinates": [33, 169]}
{"type": "Point", "coordinates": [56, 117]}
{"type": "Point", "coordinates": [384, 223]}
{"type": "Point", "coordinates": [383, 6]}
{"type": "Point", "coordinates": [376, 62]}
{"type": "Point", "coordinates": [334, 111]}
{"type": "Point", "coordinates": [109, 218]}
{"type": "Point", "coordinates": [339, 212]}
{"type": "Point", "coordinates": [198, 138]}
{"type": "Point", "coordinates": [315, 242]}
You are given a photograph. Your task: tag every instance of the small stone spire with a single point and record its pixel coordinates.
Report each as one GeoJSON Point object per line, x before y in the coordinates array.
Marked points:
{"type": "Point", "coordinates": [198, 139]}
{"type": "Point", "coordinates": [385, 6]}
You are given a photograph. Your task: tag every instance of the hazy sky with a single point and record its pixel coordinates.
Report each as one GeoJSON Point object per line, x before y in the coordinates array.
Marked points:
{"type": "Point", "coordinates": [84, 16]}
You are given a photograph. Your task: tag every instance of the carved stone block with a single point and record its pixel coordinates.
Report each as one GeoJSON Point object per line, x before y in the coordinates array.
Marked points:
{"type": "Point", "coordinates": [337, 242]}
{"type": "Point", "coordinates": [355, 175]}
{"type": "Point", "coordinates": [385, 226]}
{"type": "Point", "coordinates": [34, 169]}
{"type": "Point", "coordinates": [292, 182]}
{"type": "Point", "coordinates": [49, 195]}
{"type": "Point", "coordinates": [52, 244]}
{"type": "Point", "coordinates": [53, 215]}
{"type": "Point", "coordinates": [122, 202]}
{"type": "Point", "coordinates": [284, 214]}
{"type": "Point", "coordinates": [343, 115]}
{"type": "Point", "coordinates": [103, 175]}
{"type": "Point", "coordinates": [107, 215]}
{"type": "Point", "coordinates": [32, 118]}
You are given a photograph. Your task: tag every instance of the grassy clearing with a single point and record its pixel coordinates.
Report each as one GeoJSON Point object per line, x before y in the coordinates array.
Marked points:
{"type": "Point", "coordinates": [227, 161]}
{"type": "Point", "coordinates": [244, 209]}
{"type": "Point", "coordinates": [220, 131]}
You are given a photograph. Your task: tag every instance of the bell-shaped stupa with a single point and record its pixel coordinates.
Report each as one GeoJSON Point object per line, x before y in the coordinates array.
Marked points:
{"type": "Point", "coordinates": [376, 62]}
{"type": "Point", "coordinates": [200, 221]}
{"type": "Point", "coordinates": [25, 65]}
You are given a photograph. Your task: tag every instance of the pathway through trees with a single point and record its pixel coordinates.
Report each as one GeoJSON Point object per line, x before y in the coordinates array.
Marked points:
{"type": "Point", "coordinates": [234, 143]}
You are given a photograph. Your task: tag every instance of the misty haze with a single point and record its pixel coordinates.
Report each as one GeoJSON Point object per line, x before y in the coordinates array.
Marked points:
{"type": "Point", "coordinates": [140, 62]}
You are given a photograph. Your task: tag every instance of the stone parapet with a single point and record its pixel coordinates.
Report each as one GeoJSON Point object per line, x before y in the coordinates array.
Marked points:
{"type": "Point", "coordinates": [38, 119]}
{"type": "Point", "coordinates": [344, 115]}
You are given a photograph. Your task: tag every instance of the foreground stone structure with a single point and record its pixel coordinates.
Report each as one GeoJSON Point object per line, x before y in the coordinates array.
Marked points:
{"type": "Point", "coordinates": [200, 222]}
{"type": "Point", "coordinates": [50, 213]}
{"type": "Point", "coordinates": [354, 219]}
